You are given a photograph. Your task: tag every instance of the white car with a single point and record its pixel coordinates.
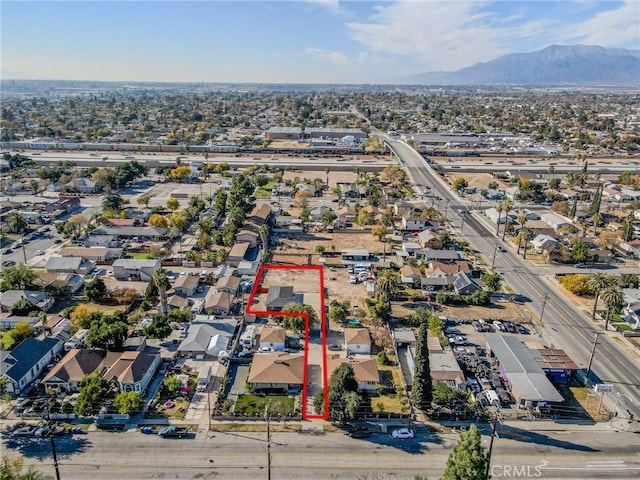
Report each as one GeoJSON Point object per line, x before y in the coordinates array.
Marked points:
{"type": "Point", "coordinates": [39, 252]}
{"type": "Point", "coordinates": [403, 433]}
{"type": "Point", "coordinates": [264, 350]}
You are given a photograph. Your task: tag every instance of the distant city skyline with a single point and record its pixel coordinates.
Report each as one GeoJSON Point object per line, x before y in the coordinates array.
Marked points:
{"type": "Point", "coordinates": [304, 41]}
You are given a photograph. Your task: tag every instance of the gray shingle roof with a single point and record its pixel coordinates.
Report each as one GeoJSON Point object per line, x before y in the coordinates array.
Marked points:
{"type": "Point", "coordinates": [26, 355]}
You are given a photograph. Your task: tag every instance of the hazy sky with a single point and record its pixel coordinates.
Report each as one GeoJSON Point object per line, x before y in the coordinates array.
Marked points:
{"type": "Point", "coordinates": [319, 41]}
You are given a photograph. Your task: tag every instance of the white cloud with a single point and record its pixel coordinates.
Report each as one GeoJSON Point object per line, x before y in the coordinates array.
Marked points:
{"type": "Point", "coordinates": [613, 28]}
{"type": "Point", "coordinates": [330, 4]}
{"type": "Point", "coordinates": [330, 55]}
{"type": "Point", "coordinates": [452, 35]}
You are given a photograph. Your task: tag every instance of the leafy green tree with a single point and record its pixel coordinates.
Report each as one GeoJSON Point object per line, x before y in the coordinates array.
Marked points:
{"type": "Point", "coordinates": [297, 323]}
{"type": "Point", "coordinates": [173, 204]}
{"type": "Point", "coordinates": [107, 333]}
{"type": "Point", "coordinates": [318, 402]}
{"type": "Point", "coordinates": [158, 328]}
{"type": "Point", "coordinates": [221, 202]}
{"type": "Point", "coordinates": [629, 280]}
{"type": "Point", "coordinates": [339, 311]}
{"type": "Point", "coordinates": [341, 404]}
{"type": "Point", "coordinates": [128, 402]}
{"type": "Point", "coordinates": [468, 459]}
{"type": "Point", "coordinates": [17, 334]}
{"type": "Point", "coordinates": [95, 289]}
{"type": "Point", "coordinates": [445, 394]}
{"type": "Point", "coordinates": [460, 183]}
{"type": "Point", "coordinates": [421, 390]}
{"type": "Point", "coordinates": [382, 358]}
{"type": "Point", "coordinates": [419, 316]}
{"type": "Point", "coordinates": [23, 308]}
{"type": "Point", "coordinates": [12, 469]}
{"type": "Point", "coordinates": [94, 393]}
{"type": "Point", "coordinates": [579, 251]}
{"type": "Point", "coordinates": [379, 308]}
{"type": "Point", "coordinates": [173, 384]}
{"type": "Point", "coordinates": [112, 202]}
{"type": "Point", "coordinates": [493, 281]}
{"type": "Point", "coordinates": [19, 277]}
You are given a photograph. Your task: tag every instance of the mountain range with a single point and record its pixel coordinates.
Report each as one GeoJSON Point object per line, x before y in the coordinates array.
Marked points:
{"type": "Point", "coordinates": [556, 65]}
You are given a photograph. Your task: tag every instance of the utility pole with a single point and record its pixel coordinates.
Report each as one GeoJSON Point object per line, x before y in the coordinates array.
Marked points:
{"type": "Point", "coordinates": [493, 434]}
{"type": "Point", "coordinates": [544, 304]}
{"type": "Point", "coordinates": [493, 260]}
{"type": "Point", "coordinates": [55, 457]}
{"type": "Point", "coordinates": [593, 352]}
{"type": "Point", "coordinates": [268, 417]}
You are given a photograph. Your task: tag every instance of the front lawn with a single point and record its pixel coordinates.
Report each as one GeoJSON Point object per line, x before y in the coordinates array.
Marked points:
{"type": "Point", "coordinates": [264, 191]}
{"type": "Point", "coordinates": [253, 404]}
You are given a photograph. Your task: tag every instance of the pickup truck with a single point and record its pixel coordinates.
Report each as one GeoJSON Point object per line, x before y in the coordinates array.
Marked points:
{"type": "Point", "coordinates": [172, 432]}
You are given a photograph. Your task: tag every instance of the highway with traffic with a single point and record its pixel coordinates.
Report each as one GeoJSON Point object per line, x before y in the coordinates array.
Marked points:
{"type": "Point", "coordinates": [569, 328]}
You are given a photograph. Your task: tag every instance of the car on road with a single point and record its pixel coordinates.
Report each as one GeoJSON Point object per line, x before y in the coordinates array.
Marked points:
{"type": "Point", "coordinates": [24, 431]}
{"type": "Point", "coordinates": [359, 434]}
{"type": "Point", "coordinates": [8, 263]}
{"type": "Point", "coordinates": [501, 248]}
{"type": "Point", "coordinates": [39, 252]}
{"type": "Point", "coordinates": [580, 265]}
{"type": "Point", "coordinates": [57, 240]}
{"type": "Point", "coordinates": [403, 433]}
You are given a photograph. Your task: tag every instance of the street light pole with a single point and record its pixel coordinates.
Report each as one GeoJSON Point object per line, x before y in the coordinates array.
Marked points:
{"type": "Point", "coordinates": [544, 304]}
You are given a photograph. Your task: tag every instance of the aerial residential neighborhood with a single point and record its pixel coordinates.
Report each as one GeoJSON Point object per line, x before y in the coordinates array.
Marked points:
{"type": "Point", "coordinates": [320, 240]}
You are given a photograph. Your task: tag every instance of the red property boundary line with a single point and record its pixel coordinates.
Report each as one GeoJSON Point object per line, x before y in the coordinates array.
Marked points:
{"type": "Point", "coordinates": [325, 385]}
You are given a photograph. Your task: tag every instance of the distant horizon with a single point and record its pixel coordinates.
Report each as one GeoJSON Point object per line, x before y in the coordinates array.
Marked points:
{"type": "Point", "coordinates": [377, 42]}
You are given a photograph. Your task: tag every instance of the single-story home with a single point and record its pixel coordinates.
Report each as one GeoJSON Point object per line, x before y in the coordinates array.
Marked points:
{"type": "Point", "coordinates": [277, 372]}
{"type": "Point", "coordinates": [42, 300]}
{"type": "Point", "coordinates": [135, 269]}
{"type": "Point", "coordinates": [131, 371]}
{"type": "Point", "coordinates": [544, 243]}
{"type": "Point", "coordinates": [207, 337]}
{"type": "Point", "coordinates": [74, 366]}
{"type": "Point", "coordinates": [279, 296]}
{"type": "Point", "coordinates": [357, 340]}
{"type": "Point", "coordinates": [463, 284]}
{"type": "Point", "coordinates": [555, 221]}
{"type": "Point", "coordinates": [95, 254]}
{"type": "Point", "coordinates": [365, 371]}
{"type": "Point", "coordinates": [410, 274]}
{"type": "Point", "coordinates": [260, 214]}
{"type": "Point", "coordinates": [218, 302]}
{"type": "Point", "coordinates": [428, 239]}
{"type": "Point", "coordinates": [69, 265]}
{"type": "Point", "coordinates": [228, 284]}
{"type": "Point", "coordinates": [186, 285]}
{"type": "Point", "coordinates": [273, 338]}
{"type": "Point", "coordinates": [237, 253]}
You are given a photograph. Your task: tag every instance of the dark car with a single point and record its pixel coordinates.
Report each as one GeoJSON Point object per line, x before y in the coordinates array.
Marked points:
{"type": "Point", "coordinates": [359, 434]}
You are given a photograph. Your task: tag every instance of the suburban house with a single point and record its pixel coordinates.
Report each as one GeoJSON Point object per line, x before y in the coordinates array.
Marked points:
{"type": "Point", "coordinates": [137, 234]}
{"type": "Point", "coordinates": [207, 337]}
{"type": "Point", "coordinates": [463, 284]}
{"type": "Point", "coordinates": [74, 366]}
{"type": "Point", "coordinates": [22, 365]}
{"type": "Point", "coordinates": [444, 367]}
{"type": "Point", "coordinates": [218, 302]}
{"type": "Point", "coordinates": [414, 222]}
{"type": "Point", "coordinates": [365, 371]}
{"type": "Point", "coordinates": [277, 372]}
{"type": "Point", "coordinates": [42, 300]}
{"type": "Point", "coordinates": [410, 248]}
{"type": "Point", "coordinates": [83, 185]}
{"type": "Point", "coordinates": [351, 190]}
{"type": "Point", "coordinates": [178, 301]}
{"type": "Point", "coordinates": [248, 233]}
{"type": "Point", "coordinates": [555, 221]}
{"type": "Point", "coordinates": [106, 241]}
{"type": "Point", "coordinates": [429, 254]}
{"type": "Point", "coordinates": [186, 285]}
{"type": "Point", "coordinates": [237, 253]}
{"type": "Point", "coordinates": [347, 214]}
{"type": "Point", "coordinates": [228, 284]}
{"type": "Point", "coordinates": [95, 254]}
{"type": "Point", "coordinates": [123, 222]}
{"type": "Point", "coordinates": [52, 282]}
{"type": "Point", "coordinates": [449, 268]}
{"type": "Point", "coordinates": [318, 212]}
{"type": "Point", "coordinates": [357, 340]}
{"type": "Point", "coordinates": [69, 265]}
{"type": "Point", "coordinates": [495, 216]}
{"type": "Point", "coordinates": [135, 269]}
{"type": "Point", "coordinates": [260, 214]}
{"type": "Point", "coordinates": [279, 297]}
{"type": "Point", "coordinates": [544, 243]}
{"type": "Point", "coordinates": [428, 239]}
{"type": "Point", "coordinates": [410, 275]}
{"type": "Point", "coordinates": [432, 284]}
{"type": "Point", "coordinates": [273, 338]}
{"type": "Point", "coordinates": [632, 309]}
{"type": "Point", "coordinates": [131, 371]}
{"type": "Point", "coordinates": [307, 187]}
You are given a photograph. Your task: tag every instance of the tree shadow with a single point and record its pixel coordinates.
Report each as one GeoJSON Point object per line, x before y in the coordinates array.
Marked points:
{"type": "Point", "coordinates": [41, 447]}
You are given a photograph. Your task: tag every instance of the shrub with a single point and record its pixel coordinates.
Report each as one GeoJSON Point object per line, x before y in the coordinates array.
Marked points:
{"type": "Point", "coordinates": [577, 284]}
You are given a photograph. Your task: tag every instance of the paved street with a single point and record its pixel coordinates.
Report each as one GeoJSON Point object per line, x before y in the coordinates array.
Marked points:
{"type": "Point", "coordinates": [580, 452]}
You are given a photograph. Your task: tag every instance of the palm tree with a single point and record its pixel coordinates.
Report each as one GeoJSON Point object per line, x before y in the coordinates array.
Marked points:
{"type": "Point", "coordinates": [551, 170]}
{"type": "Point", "coordinates": [161, 282]}
{"type": "Point", "coordinates": [599, 282]}
{"type": "Point", "coordinates": [16, 223]}
{"type": "Point", "coordinates": [499, 209]}
{"type": "Point", "coordinates": [327, 170]}
{"type": "Point", "coordinates": [597, 221]}
{"type": "Point", "coordinates": [527, 235]}
{"type": "Point", "coordinates": [522, 220]}
{"type": "Point", "coordinates": [612, 298]}
{"type": "Point", "coordinates": [388, 282]}
{"type": "Point", "coordinates": [508, 206]}
{"type": "Point", "coordinates": [264, 235]}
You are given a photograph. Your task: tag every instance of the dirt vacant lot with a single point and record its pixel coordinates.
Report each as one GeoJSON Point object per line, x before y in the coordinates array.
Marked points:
{"type": "Point", "coordinates": [332, 242]}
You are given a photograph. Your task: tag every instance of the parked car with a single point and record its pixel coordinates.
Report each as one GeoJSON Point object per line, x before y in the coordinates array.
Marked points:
{"type": "Point", "coordinates": [334, 346]}
{"type": "Point", "coordinates": [403, 433]}
{"type": "Point", "coordinates": [264, 350]}
{"type": "Point", "coordinates": [359, 434]}
{"type": "Point", "coordinates": [24, 431]}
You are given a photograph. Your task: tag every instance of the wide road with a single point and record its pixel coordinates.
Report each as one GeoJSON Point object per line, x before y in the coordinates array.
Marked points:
{"type": "Point", "coordinates": [113, 159]}
{"type": "Point", "coordinates": [569, 328]}
{"type": "Point", "coordinates": [559, 454]}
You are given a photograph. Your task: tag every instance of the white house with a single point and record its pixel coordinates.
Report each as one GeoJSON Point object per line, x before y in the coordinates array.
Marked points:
{"type": "Point", "coordinates": [273, 338]}
{"type": "Point", "coordinates": [544, 243]}
{"type": "Point", "coordinates": [357, 340]}
{"type": "Point", "coordinates": [555, 221]}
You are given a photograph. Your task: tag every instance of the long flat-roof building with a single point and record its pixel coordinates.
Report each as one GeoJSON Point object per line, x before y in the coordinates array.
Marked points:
{"type": "Point", "coordinates": [520, 368]}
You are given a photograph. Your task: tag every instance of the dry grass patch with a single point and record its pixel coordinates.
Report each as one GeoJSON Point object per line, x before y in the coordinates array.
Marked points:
{"type": "Point", "coordinates": [256, 427]}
